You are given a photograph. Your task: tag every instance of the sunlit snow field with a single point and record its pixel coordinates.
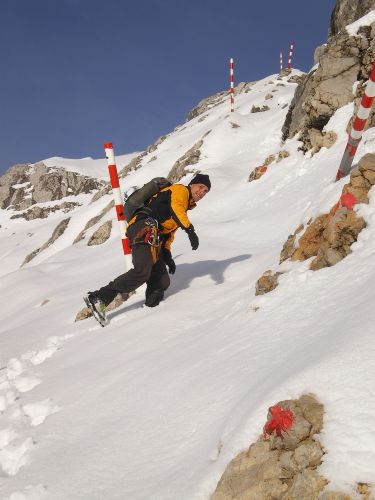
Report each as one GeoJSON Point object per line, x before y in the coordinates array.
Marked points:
{"type": "Point", "coordinates": [155, 405]}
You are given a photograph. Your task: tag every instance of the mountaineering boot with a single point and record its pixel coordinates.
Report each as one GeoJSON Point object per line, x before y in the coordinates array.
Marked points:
{"type": "Point", "coordinates": [97, 308]}
{"type": "Point", "coordinates": [153, 299]}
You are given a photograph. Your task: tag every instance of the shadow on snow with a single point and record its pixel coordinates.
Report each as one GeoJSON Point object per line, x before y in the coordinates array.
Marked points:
{"type": "Point", "coordinates": [186, 273]}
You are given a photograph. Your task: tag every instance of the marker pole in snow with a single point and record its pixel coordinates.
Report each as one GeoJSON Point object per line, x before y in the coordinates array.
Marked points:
{"type": "Point", "coordinates": [358, 126]}
{"type": "Point", "coordinates": [110, 155]}
{"type": "Point", "coordinates": [290, 55]}
{"type": "Point", "coordinates": [231, 73]}
{"type": "Point", "coordinates": [281, 60]}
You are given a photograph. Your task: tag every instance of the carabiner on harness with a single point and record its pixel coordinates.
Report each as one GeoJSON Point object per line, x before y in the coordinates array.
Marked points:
{"type": "Point", "coordinates": [152, 235]}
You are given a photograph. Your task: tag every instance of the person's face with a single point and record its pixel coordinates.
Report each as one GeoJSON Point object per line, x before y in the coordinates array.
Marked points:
{"type": "Point", "coordinates": [198, 191]}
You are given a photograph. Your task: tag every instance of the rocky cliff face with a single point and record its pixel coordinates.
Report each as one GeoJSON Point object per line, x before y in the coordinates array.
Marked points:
{"type": "Point", "coordinates": [346, 12]}
{"type": "Point", "coordinates": [330, 236]}
{"type": "Point", "coordinates": [25, 185]}
{"type": "Point", "coordinates": [343, 61]}
{"type": "Point", "coordinates": [212, 101]}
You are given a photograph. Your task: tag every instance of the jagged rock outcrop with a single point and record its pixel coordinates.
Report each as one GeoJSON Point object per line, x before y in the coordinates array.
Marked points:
{"type": "Point", "coordinates": [133, 165]}
{"type": "Point", "coordinates": [101, 235]}
{"type": "Point", "coordinates": [259, 109]}
{"type": "Point", "coordinates": [93, 221]}
{"type": "Point", "coordinates": [15, 176]}
{"type": "Point", "coordinates": [191, 157]}
{"type": "Point", "coordinates": [212, 101]}
{"type": "Point", "coordinates": [257, 172]}
{"type": "Point", "coordinates": [296, 79]}
{"type": "Point", "coordinates": [330, 236]}
{"type": "Point", "coordinates": [267, 282]}
{"type": "Point", "coordinates": [38, 212]}
{"type": "Point", "coordinates": [25, 185]}
{"type": "Point", "coordinates": [341, 62]}
{"type": "Point", "coordinates": [281, 155]}
{"type": "Point", "coordinates": [308, 244]}
{"type": "Point", "coordinates": [340, 233]}
{"type": "Point", "coordinates": [206, 104]}
{"type": "Point", "coordinates": [286, 467]}
{"type": "Point", "coordinates": [282, 468]}
{"type": "Point", "coordinates": [284, 72]}
{"type": "Point", "coordinates": [346, 12]}
{"type": "Point", "coordinates": [58, 231]}
{"type": "Point", "coordinates": [155, 145]}
{"type": "Point", "coordinates": [319, 139]}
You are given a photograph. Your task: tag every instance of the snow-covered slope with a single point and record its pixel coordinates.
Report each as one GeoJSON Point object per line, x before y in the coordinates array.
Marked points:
{"type": "Point", "coordinates": [88, 166]}
{"type": "Point", "coordinates": [156, 404]}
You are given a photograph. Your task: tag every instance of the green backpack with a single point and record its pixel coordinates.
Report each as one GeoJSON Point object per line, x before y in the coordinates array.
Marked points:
{"type": "Point", "coordinates": [137, 201]}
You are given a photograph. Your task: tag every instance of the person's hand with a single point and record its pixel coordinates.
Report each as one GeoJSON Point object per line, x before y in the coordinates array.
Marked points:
{"type": "Point", "coordinates": [193, 237]}
{"type": "Point", "coordinates": [169, 261]}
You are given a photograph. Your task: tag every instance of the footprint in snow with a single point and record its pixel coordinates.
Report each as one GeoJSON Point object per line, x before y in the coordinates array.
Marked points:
{"type": "Point", "coordinates": [53, 344]}
{"type": "Point", "coordinates": [6, 437]}
{"type": "Point", "coordinates": [29, 493]}
{"type": "Point", "coordinates": [38, 357]}
{"type": "Point", "coordinates": [25, 384]}
{"type": "Point", "coordinates": [13, 456]}
{"type": "Point", "coordinates": [7, 399]}
{"type": "Point", "coordinates": [38, 412]}
{"type": "Point", "coordinates": [14, 368]}
{"type": "Point", "coordinates": [14, 379]}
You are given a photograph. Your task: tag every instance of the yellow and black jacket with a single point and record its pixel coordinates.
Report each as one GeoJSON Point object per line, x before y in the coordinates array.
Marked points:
{"type": "Point", "coordinates": [169, 208]}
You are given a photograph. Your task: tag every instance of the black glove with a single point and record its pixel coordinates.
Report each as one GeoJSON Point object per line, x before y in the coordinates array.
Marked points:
{"type": "Point", "coordinates": [167, 256]}
{"type": "Point", "coordinates": [193, 237]}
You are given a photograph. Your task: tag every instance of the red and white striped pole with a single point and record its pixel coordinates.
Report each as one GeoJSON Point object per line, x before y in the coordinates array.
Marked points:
{"type": "Point", "coordinates": [290, 55]}
{"type": "Point", "coordinates": [281, 60]}
{"type": "Point", "coordinates": [358, 126]}
{"type": "Point", "coordinates": [115, 183]}
{"type": "Point", "coordinates": [231, 72]}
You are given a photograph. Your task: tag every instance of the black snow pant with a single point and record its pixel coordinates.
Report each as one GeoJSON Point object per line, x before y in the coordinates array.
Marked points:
{"type": "Point", "coordinates": [144, 271]}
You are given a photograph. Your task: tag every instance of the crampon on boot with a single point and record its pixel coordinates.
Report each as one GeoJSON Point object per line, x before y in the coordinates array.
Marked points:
{"type": "Point", "coordinates": [97, 308]}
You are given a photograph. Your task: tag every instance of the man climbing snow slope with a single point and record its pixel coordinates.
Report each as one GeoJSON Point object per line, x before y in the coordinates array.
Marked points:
{"type": "Point", "coordinates": [151, 232]}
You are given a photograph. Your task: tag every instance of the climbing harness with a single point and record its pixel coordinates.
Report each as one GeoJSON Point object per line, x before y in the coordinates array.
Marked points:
{"type": "Point", "coordinates": [148, 233]}
{"type": "Point", "coordinates": [152, 235]}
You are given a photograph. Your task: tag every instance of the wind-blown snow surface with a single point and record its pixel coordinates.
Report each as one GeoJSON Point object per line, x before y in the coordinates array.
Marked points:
{"type": "Point", "coordinates": [155, 405]}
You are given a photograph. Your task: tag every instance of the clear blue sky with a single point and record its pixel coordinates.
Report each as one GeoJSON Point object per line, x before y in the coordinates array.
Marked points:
{"type": "Point", "coordinates": [78, 73]}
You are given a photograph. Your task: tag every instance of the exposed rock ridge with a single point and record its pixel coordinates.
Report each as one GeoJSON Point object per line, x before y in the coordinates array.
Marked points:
{"type": "Point", "coordinates": [330, 236]}
{"type": "Point", "coordinates": [38, 212]}
{"type": "Point", "coordinates": [342, 62]}
{"type": "Point", "coordinates": [93, 221]}
{"type": "Point", "coordinates": [101, 235]}
{"type": "Point", "coordinates": [284, 468]}
{"type": "Point", "coordinates": [281, 468]}
{"type": "Point", "coordinates": [257, 172]}
{"type": "Point", "coordinates": [25, 185]}
{"type": "Point", "coordinates": [346, 12]}
{"type": "Point", "coordinates": [58, 231]}
{"type": "Point", "coordinates": [191, 157]}
{"type": "Point", "coordinates": [212, 101]}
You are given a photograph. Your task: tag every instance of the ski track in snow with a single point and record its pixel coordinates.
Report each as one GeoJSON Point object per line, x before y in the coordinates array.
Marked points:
{"type": "Point", "coordinates": [17, 419]}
